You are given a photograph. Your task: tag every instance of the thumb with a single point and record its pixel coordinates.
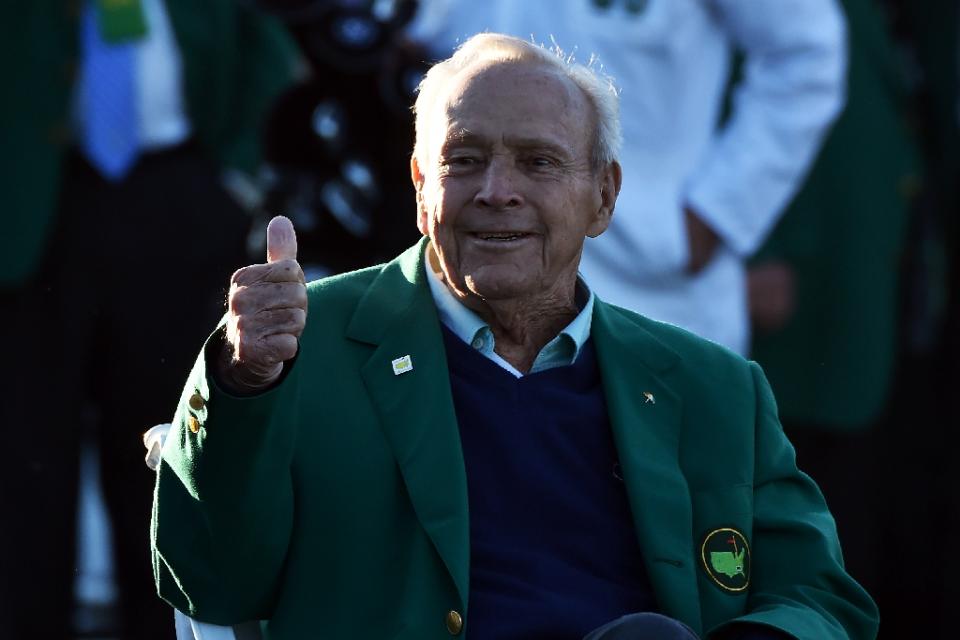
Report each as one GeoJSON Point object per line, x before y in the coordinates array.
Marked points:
{"type": "Point", "coordinates": [281, 240]}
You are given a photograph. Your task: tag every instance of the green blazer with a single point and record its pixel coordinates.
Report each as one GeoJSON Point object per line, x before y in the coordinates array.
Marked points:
{"type": "Point", "coordinates": [236, 61]}
{"type": "Point", "coordinates": [335, 504]}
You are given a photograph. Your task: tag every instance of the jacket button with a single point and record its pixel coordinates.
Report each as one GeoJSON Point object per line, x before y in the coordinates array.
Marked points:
{"type": "Point", "coordinates": [454, 623]}
{"type": "Point", "coordinates": [196, 402]}
{"type": "Point", "coordinates": [193, 423]}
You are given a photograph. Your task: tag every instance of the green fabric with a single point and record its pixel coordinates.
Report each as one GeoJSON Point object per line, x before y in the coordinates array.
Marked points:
{"type": "Point", "coordinates": [235, 62]}
{"type": "Point", "coordinates": [335, 505]}
{"type": "Point", "coordinates": [831, 365]}
{"type": "Point", "coordinates": [935, 29]}
{"type": "Point", "coordinates": [121, 20]}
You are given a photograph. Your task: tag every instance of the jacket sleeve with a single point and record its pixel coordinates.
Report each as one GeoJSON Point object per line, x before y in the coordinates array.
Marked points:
{"type": "Point", "coordinates": [223, 504]}
{"type": "Point", "coordinates": [798, 581]}
{"type": "Point", "coordinates": [792, 89]}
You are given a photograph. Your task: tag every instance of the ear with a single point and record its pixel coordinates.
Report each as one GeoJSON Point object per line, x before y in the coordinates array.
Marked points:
{"type": "Point", "coordinates": [609, 180]}
{"type": "Point", "coordinates": [416, 175]}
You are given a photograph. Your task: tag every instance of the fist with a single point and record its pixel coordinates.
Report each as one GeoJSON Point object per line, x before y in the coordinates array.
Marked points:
{"type": "Point", "coordinates": [702, 241]}
{"type": "Point", "coordinates": [266, 313]}
{"type": "Point", "coordinates": [771, 295]}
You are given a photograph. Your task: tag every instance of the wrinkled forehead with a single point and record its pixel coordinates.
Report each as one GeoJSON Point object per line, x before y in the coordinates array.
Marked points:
{"type": "Point", "coordinates": [504, 78]}
{"type": "Point", "coordinates": [528, 93]}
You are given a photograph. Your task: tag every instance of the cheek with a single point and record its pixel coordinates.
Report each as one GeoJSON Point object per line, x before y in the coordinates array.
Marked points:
{"type": "Point", "coordinates": [428, 208]}
{"type": "Point", "coordinates": [435, 222]}
{"type": "Point", "coordinates": [444, 212]}
{"type": "Point", "coordinates": [589, 222]}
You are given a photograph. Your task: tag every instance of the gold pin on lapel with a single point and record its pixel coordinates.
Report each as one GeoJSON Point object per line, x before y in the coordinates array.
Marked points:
{"type": "Point", "coordinates": [402, 365]}
{"type": "Point", "coordinates": [649, 398]}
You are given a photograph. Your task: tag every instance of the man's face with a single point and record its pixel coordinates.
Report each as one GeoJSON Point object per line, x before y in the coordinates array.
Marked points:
{"type": "Point", "coordinates": [508, 194]}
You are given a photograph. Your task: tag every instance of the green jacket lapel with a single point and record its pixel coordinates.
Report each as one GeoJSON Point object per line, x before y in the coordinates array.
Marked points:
{"type": "Point", "coordinates": [398, 316]}
{"type": "Point", "coordinates": [645, 415]}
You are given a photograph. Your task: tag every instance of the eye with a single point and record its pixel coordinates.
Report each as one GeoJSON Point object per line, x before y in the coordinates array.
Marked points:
{"type": "Point", "coordinates": [460, 163]}
{"type": "Point", "coordinates": [540, 162]}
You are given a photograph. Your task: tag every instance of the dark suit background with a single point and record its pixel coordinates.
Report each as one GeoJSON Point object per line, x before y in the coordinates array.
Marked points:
{"type": "Point", "coordinates": [107, 290]}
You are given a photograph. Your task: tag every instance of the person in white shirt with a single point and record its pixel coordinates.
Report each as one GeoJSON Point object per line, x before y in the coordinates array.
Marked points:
{"type": "Point", "coordinates": [699, 196]}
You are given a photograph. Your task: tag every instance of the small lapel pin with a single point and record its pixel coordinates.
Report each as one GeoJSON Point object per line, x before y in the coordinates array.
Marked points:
{"type": "Point", "coordinates": [649, 398]}
{"type": "Point", "coordinates": [402, 365]}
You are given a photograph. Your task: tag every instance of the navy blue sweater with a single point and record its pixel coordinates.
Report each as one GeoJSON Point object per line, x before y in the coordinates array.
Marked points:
{"type": "Point", "coordinates": [553, 547]}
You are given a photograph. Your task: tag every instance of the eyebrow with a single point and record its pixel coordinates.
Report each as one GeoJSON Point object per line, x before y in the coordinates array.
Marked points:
{"type": "Point", "coordinates": [462, 136]}
{"type": "Point", "coordinates": [466, 137]}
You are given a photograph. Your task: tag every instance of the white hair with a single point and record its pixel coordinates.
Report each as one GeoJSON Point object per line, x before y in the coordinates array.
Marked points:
{"type": "Point", "coordinates": [495, 47]}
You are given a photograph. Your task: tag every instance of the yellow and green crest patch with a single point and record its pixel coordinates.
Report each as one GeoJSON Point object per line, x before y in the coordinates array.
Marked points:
{"type": "Point", "coordinates": [725, 557]}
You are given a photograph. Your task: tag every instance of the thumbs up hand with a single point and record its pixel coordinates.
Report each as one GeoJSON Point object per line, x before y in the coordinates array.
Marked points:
{"type": "Point", "coordinates": [266, 313]}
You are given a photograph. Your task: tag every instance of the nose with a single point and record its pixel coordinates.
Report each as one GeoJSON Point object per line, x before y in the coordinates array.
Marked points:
{"type": "Point", "coordinates": [499, 187]}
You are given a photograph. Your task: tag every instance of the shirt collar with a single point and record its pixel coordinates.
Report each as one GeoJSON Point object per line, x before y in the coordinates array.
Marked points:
{"type": "Point", "coordinates": [562, 350]}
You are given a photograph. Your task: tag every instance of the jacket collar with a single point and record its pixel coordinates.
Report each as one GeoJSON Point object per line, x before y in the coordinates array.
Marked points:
{"type": "Point", "coordinates": [397, 315]}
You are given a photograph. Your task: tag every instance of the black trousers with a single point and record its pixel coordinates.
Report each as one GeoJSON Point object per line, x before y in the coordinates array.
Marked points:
{"type": "Point", "coordinates": [887, 490]}
{"type": "Point", "coordinates": [98, 345]}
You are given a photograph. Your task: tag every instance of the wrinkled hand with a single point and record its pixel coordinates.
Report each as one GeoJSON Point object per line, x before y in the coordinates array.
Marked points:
{"type": "Point", "coordinates": [771, 295]}
{"type": "Point", "coordinates": [266, 313]}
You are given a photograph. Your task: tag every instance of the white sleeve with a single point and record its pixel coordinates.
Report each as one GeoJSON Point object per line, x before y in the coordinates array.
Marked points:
{"type": "Point", "coordinates": [793, 87]}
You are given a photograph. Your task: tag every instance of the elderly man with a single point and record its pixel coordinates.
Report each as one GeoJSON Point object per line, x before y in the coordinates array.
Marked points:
{"type": "Point", "coordinates": [467, 440]}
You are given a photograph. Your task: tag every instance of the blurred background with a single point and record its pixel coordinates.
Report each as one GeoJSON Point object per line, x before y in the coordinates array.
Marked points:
{"type": "Point", "coordinates": [148, 142]}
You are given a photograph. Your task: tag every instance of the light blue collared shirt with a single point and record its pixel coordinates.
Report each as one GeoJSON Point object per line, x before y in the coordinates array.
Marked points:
{"type": "Point", "coordinates": [469, 327]}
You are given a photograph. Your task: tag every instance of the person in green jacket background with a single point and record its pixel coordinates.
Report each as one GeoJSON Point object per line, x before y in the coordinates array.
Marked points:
{"type": "Point", "coordinates": [120, 121]}
{"type": "Point", "coordinates": [848, 291]}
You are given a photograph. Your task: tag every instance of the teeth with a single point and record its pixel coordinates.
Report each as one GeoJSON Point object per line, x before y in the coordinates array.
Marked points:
{"type": "Point", "coordinates": [501, 236]}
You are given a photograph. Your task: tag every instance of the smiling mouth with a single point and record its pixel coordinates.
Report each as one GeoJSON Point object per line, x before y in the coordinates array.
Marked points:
{"type": "Point", "coordinates": [503, 236]}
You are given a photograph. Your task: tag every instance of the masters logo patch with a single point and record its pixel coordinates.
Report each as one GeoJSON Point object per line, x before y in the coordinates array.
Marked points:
{"type": "Point", "coordinates": [725, 556]}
